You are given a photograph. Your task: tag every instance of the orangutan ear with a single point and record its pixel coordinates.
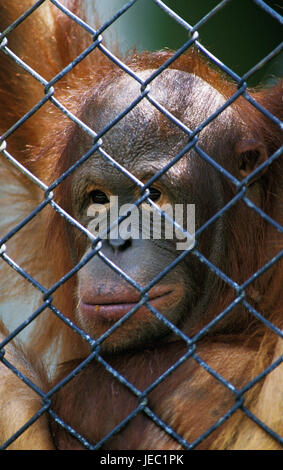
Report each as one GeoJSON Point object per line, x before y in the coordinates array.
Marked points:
{"type": "Point", "coordinates": [251, 154]}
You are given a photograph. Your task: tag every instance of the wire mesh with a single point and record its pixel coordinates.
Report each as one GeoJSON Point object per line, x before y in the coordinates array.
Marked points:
{"type": "Point", "coordinates": [49, 200]}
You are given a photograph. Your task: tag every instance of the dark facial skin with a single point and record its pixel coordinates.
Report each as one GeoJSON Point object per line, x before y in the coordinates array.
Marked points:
{"type": "Point", "coordinates": [143, 142]}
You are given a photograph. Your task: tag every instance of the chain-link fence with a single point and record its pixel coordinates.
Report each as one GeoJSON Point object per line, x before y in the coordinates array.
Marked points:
{"type": "Point", "coordinates": [192, 350]}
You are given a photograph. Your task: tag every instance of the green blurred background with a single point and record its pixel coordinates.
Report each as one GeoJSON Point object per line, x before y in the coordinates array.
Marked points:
{"type": "Point", "coordinates": [240, 34]}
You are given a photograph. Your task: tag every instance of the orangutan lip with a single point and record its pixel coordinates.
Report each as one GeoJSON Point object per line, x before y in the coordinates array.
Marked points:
{"type": "Point", "coordinates": [115, 310]}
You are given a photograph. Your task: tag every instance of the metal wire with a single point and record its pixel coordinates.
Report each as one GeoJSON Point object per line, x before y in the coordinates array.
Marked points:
{"type": "Point", "coordinates": [47, 301]}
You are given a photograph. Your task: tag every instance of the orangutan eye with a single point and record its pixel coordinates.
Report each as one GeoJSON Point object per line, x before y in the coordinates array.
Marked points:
{"type": "Point", "coordinates": [98, 197]}
{"type": "Point", "coordinates": [154, 194]}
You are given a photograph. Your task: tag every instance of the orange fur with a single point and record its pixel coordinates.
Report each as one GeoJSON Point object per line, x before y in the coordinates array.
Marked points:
{"type": "Point", "coordinates": [39, 144]}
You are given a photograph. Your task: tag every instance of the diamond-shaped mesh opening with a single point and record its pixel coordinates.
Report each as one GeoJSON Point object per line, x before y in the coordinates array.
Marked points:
{"type": "Point", "coordinates": [160, 384]}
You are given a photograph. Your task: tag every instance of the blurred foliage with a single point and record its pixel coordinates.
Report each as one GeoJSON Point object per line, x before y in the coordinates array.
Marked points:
{"type": "Point", "coordinates": [240, 34]}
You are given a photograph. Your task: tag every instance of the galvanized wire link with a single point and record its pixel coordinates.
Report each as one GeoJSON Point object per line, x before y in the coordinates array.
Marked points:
{"type": "Point", "coordinates": [19, 20]}
{"type": "Point", "coordinates": [191, 343]}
